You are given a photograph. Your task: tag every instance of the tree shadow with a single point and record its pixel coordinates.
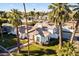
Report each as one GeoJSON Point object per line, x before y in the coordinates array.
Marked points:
{"type": "Point", "coordinates": [40, 52]}
{"type": "Point", "coordinates": [49, 51]}
{"type": "Point", "coordinates": [9, 40]}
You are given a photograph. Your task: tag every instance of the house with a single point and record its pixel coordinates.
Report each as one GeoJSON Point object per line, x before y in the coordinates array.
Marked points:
{"type": "Point", "coordinates": [6, 27]}
{"type": "Point", "coordinates": [44, 33]}
{"type": "Point", "coordinates": [42, 36]}
{"type": "Point", "coordinates": [12, 30]}
{"type": "Point", "coordinates": [22, 31]}
{"type": "Point", "coordinates": [41, 33]}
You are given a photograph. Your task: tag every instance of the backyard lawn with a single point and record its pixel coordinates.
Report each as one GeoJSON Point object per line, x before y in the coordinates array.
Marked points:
{"type": "Point", "coordinates": [38, 50]}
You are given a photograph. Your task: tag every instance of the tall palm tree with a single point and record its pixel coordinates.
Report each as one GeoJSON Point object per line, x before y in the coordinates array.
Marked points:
{"type": "Point", "coordinates": [26, 26]}
{"type": "Point", "coordinates": [76, 18]}
{"type": "Point", "coordinates": [59, 12]}
{"type": "Point", "coordinates": [14, 16]}
{"type": "Point", "coordinates": [34, 13]}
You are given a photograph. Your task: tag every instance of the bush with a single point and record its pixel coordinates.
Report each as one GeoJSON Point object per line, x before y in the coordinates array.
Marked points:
{"type": "Point", "coordinates": [67, 50]}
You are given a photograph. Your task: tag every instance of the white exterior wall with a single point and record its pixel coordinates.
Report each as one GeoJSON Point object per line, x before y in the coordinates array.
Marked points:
{"type": "Point", "coordinates": [36, 38]}
{"type": "Point", "coordinates": [45, 40]}
{"type": "Point", "coordinates": [42, 39]}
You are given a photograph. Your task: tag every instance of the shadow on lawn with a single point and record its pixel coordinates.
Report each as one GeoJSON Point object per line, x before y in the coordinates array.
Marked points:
{"type": "Point", "coordinates": [40, 52]}
{"type": "Point", "coordinates": [8, 40]}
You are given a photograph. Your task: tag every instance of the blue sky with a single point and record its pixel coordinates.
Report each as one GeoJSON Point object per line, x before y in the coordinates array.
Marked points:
{"type": "Point", "coordinates": [29, 6]}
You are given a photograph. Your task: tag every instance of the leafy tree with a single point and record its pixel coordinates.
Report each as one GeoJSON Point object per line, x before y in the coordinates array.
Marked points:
{"type": "Point", "coordinates": [14, 16]}
{"type": "Point", "coordinates": [76, 18]}
{"type": "Point", "coordinates": [59, 13]}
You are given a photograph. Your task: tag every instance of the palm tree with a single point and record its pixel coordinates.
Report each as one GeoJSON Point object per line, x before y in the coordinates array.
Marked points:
{"type": "Point", "coordinates": [31, 13]}
{"type": "Point", "coordinates": [2, 18]}
{"type": "Point", "coordinates": [34, 12]}
{"type": "Point", "coordinates": [37, 14]}
{"type": "Point", "coordinates": [26, 26]}
{"type": "Point", "coordinates": [14, 16]}
{"type": "Point", "coordinates": [59, 12]}
{"type": "Point", "coordinates": [76, 18]}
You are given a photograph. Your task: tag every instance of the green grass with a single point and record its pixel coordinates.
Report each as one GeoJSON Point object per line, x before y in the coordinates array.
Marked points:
{"type": "Point", "coordinates": [38, 50]}
{"type": "Point", "coordinates": [10, 40]}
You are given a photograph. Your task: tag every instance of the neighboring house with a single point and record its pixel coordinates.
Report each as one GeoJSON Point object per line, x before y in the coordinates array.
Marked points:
{"type": "Point", "coordinates": [22, 31]}
{"type": "Point", "coordinates": [45, 33]}
{"type": "Point", "coordinates": [6, 27]}
{"type": "Point", "coordinates": [12, 30]}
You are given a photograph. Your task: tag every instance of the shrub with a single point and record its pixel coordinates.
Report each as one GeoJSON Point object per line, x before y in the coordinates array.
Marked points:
{"type": "Point", "coordinates": [67, 50]}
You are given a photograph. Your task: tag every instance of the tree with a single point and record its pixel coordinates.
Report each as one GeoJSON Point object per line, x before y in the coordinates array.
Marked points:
{"type": "Point", "coordinates": [26, 26]}
{"type": "Point", "coordinates": [67, 50]}
{"type": "Point", "coordinates": [59, 12]}
{"type": "Point", "coordinates": [2, 20]}
{"type": "Point", "coordinates": [37, 14]}
{"type": "Point", "coordinates": [14, 16]}
{"type": "Point", "coordinates": [76, 18]}
{"type": "Point", "coordinates": [31, 13]}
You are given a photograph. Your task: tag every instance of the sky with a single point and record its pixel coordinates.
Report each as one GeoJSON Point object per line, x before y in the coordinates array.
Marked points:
{"type": "Point", "coordinates": [29, 6]}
